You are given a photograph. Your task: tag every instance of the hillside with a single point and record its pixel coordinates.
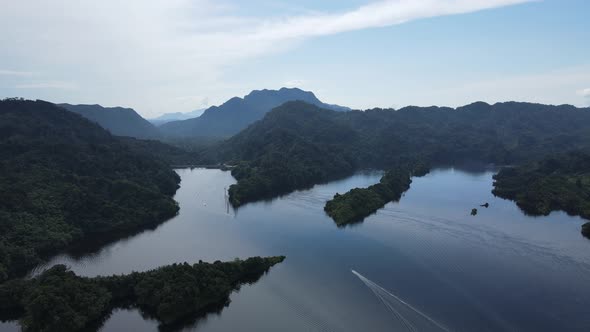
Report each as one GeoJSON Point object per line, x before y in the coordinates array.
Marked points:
{"type": "Point", "coordinates": [560, 182]}
{"type": "Point", "coordinates": [118, 121]}
{"type": "Point", "coordinates": [169, 154]}
{"type": "Point", "coordinates": [176, 116]}
{"type": "Point", "coordinates": [238, 113]}
{"type": "Point", "coordinates": [63, 179]}
{"type": "Point", "coordinates": [298, 144]}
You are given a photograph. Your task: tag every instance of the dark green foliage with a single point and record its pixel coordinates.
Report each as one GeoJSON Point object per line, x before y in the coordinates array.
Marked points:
{"type": "Point", "coordinates": [560, 183]}
{"type": "Point", "coordinates": [297, 145]}
{"type": "Point", "coordinates": [474, 212]}
{"type": "Point", "coordinates": [63, 179]}
{"type": "Point", "coordinates": [170, 154]}
{"type": "Point", "coordinates": [586, 230]}
{"type": "Point", "coordinates": [287, 155]}
{"type": "Point", "coordinates": [358, 203]}
{"type": "Point", "coordinates": [58, 300]}
{"type": "Point", "coordinates": [172, 293]}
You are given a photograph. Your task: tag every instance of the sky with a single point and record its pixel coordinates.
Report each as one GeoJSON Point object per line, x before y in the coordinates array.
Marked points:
{"type": "Point", "coordinates": [161, 56]}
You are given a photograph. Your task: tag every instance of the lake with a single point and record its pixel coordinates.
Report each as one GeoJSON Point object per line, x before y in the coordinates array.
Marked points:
{"type": "Point", "coordinates": [498, 271]}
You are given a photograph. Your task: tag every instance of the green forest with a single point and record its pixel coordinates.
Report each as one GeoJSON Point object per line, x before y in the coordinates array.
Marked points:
{"type": "Point", "coordinates": [60, 301]}
{"type": "Point", "coordinates": [298, 145]}
{"type": "Point", "coordinates": [557, 183]}
{"type": "Point", "coordinates": [359, 203]}
{"type": "Point", "coordinates": [64, 179]}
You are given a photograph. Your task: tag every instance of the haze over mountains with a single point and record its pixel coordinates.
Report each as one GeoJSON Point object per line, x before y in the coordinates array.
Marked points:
{"type": "Point", "coordinates": [177, 116]}
{"type": "Point", "coordinates": [215, 122]}
{"type": "Point", "coordinates": [118, 121]}
{"type": "Point", "coordinates": [238, 113]}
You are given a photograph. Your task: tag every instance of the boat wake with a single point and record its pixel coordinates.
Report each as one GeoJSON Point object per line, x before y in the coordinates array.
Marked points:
{"type": "Point", "coordinates": [408, 317]}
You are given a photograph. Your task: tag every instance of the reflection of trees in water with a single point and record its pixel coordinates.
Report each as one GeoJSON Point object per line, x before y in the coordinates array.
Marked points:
{"type": "Point", "coordinates": [92, 248]}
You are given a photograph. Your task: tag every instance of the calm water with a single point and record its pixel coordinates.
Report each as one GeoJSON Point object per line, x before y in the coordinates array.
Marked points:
{"type": "Point", "coordinates": [498, 271]}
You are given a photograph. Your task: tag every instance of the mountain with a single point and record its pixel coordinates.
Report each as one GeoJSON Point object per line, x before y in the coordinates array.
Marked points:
{"type": "Point", "coordinates": [298, 144]}
{"type": "Point", "coordinates": [118, 120]}
{"type": "Point", "coordinates": [238, 113]}
{"type": "Point", "coordinates": [178, 116]}
{"type": "Point", "coordinates": [65, 179]}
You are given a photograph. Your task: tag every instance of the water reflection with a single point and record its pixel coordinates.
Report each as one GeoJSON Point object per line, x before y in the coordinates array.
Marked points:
{"type": "Point", "coordinates": [497, 271]}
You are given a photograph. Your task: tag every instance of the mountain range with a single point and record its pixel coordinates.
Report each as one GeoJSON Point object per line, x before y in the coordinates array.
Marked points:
{"type": "Point", "coordinates": [177, 116]}
{"type": "Point", "coordinates": [238, 113]}
{"type": "Point", "coordinates": [215, 122]}
{"type": "Point", "coordinates": [118, 121]}
{"type": "Point", "coordinates": [298, 145]}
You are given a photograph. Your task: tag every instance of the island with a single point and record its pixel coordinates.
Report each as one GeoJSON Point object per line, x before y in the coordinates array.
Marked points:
{"type": "Point", "coordinates": [58, 300]}
{"type": "Point", "coordinates": [551, 184]}
{"type": "Point", "coordinates": [298, 145]}
{"type": "Point", "coordinates": [359, 203]}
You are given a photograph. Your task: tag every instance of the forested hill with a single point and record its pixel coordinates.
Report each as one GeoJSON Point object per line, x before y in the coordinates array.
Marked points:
{"type": "Point", "coordinates": [237, 113]}
{"type": "Point", "coordinates": [60, 301]}
{"type": "Point", "coordinates": [117, 120]}
{"type": "Point", "coordinates": [561, 182]}
{"type": "Point", "coordinates": [63, 178]}
{"type": "Point", "coordinates": [299, 144]}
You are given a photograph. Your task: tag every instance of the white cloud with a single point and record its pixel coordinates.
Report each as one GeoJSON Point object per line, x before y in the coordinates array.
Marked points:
{"type": "Point", "coordinates": [4, 72]}
{"type": "Point", "coordinates": [584, 93]}
{"type": "Point", "coordinates": [144, 54]}
{"type": "Point", "coordinates": [377, 14]}
{"type": "Point", "coordinates": [48, 85]}
{"type": "Point", "coordinates": [294, 83]}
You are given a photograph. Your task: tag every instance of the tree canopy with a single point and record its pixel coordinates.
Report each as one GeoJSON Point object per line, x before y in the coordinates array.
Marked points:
{"type": "Point", "coordinates": [64, 178]}
{"type": "Point", "coordinates": [560, 182]}
{"type": "Point", "coordinates": [298, 145]}
{"type": "Point", "coordinates": [358, 203]}
{"type": "Point", "coordinates": [60, 301]}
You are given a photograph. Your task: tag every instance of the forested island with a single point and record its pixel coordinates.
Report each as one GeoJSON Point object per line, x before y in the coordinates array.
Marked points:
{"type": "Point", "coordinates": [60, 301]}
{"type": "Point", "coordinates": [556, 183]}
{"type": "Point", "coordinates": [298, 145]}
{"type": "Point", "coordinates": [359, 203]}
{"type": "Point", "coordinates": [64, 179]}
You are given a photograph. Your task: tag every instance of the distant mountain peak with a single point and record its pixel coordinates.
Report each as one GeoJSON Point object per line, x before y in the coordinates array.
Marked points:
{"type": "Point", "coordinates": [238, 113]}
{"type": "Point", "coordinates": [120, 121]}
{"type": "Point", "coordinates": [176, 116]}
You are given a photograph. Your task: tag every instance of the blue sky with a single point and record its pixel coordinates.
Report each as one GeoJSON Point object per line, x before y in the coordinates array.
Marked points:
{"type": "Point", "coordinates": [178, 55]}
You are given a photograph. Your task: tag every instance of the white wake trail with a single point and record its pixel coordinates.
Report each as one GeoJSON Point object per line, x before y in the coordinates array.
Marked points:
{"type": "Point", "coordinates": [411, 318]}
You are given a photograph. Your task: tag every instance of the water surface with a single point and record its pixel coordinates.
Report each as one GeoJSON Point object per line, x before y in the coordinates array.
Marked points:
{"type": "Point", "coordinates": [497, 271]}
